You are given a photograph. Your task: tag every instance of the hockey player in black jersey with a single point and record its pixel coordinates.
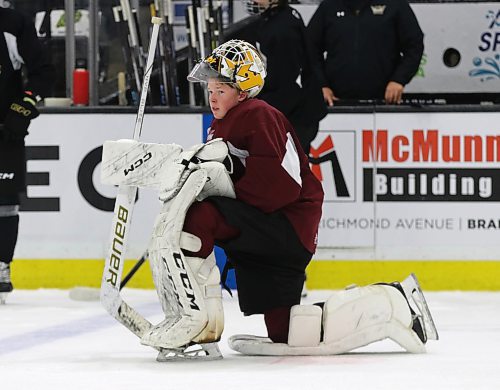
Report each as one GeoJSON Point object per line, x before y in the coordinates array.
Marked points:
{"type": "Point", "coordinates": [292, 86]}
{"type": "Point", "coordinates": [19, 49]}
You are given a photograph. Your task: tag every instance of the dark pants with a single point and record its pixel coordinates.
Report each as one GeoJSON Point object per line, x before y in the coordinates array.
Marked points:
{"type": "Point", "coordinates": [267, 255]}
{"type": "Point", "coordinates": [12, 183]}
{"type": "Point", "coordinates": [8, 236]}
{"type": "Point", "coordinates": [306, 135]}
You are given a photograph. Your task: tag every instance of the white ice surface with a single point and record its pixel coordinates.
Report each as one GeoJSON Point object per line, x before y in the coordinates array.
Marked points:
{"type": "Point", "coordinates": [48, 341]}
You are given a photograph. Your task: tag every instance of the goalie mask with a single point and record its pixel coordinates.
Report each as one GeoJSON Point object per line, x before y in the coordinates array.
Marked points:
{"type": "Point", "coordinates": [235, 62]}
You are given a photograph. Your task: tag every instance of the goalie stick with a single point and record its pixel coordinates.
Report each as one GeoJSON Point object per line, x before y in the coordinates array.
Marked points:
{"type": "Point", "coordinates": [113, 267]}
{"type": "Point", "coordinates": [134, 269]}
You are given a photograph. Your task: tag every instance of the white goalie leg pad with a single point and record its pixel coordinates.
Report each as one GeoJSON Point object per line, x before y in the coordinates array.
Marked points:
{"type": "Point", "coordinates": [200, 316]}
{"type": "Point", "coordinates": [207, 276]}
{"type": "Point", "coordinates": [134, 163]}
{"type": "Point", "coordinates": [181, 299]}
{"type": "Point", "coordinates": [187, 287]}
{"type": "Point", "coordinates": [360, 316]}
{"type": "Point", "coordinates": [305, 326]}
{"type": "Point", "coordinates": [351, 319]}
{"type": "Point", "coordinates": [179, 294]}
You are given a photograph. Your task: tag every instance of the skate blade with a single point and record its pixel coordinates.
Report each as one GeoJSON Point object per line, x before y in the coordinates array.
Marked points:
{"type": "Point", "coordinates": [200, 352]}
{"type": "Point", "coordinates": [412, 289]}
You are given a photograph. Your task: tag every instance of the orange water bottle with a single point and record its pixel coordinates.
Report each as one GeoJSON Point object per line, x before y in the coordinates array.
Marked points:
{"type": "Point", "coordinates": [81, 83]}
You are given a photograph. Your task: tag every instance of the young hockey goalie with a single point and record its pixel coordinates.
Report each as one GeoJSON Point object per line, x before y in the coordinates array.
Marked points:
{"type": "Point", "coordinates": [250, 190]}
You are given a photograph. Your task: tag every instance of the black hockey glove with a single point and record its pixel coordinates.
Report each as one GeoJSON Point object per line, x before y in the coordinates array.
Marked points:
{"type": "Point", "coordinates": [18, 118]}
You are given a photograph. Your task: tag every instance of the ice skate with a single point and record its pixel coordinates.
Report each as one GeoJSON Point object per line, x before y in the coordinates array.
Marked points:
{"type": "Point", "coordinates": [425, 328]}
{"type": "Point", "coordinates": [208, 351]}
{"type": "Point", "coordinates": [5, 283]}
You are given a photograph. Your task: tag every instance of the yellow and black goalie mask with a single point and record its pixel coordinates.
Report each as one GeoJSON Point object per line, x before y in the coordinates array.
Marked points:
{"type": "Point", "coordinates": [236, 62]}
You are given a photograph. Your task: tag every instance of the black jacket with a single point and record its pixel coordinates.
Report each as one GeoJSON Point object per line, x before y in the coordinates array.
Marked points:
{"type": "Point", "coordinates": [280, 35]}
{"type": "Point", "coordinates": [368, 43]}
{"type": "Point", "coordinates": [19, 45]}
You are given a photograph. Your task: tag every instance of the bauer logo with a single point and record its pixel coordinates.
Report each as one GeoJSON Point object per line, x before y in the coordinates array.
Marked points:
{"type": "Point", "coordinates": [430, 166]}
{"type": "Point", "coordinates": [117, 245]}
{"type": "Point", "coordinates": [333, 162]}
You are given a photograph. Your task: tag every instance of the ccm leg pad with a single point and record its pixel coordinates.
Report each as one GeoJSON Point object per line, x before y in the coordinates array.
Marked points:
{"type": "Point", "coordinates": [351, 319]}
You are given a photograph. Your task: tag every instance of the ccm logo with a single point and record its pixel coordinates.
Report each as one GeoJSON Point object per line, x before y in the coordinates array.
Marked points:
{"type": "Point", "coordinates": [186, 283]}
{"type": "Point", "coordinates": [138, 163]}
{"type": "Point", "coordinates": [6, 176]}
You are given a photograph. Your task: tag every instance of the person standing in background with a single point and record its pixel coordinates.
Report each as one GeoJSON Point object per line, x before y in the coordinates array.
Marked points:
{"type": "Point", "coordinates": [19, 47]}
{"type": "Point", "coordinates": [291, 84]}
{"type": "Point", "coordinates": [373, 48]}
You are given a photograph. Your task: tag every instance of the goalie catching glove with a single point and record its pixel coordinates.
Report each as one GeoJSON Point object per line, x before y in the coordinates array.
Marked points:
{"type": "Point", "coordinates": [214, 158]}
{"type": "Point", "coordinates": [19, 117]}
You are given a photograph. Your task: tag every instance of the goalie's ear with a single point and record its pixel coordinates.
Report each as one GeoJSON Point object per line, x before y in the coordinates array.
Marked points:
{"type": "Point", "coordinates": [242, 96]}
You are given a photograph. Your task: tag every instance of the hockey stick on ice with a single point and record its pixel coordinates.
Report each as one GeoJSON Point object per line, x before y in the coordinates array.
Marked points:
{"type": "Point", "coordinates": [113, 267]}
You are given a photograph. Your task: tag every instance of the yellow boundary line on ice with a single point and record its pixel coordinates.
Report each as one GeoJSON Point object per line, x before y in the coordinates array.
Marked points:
{"type": "Point", "coordinates": [433, 275]}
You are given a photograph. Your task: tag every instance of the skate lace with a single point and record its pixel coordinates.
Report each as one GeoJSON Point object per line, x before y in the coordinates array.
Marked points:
{"type": "Point", "coordinates": [4, 273]}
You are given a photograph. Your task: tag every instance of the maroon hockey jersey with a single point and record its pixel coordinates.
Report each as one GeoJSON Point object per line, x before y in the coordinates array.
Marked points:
{"type": "Point", "coordinates": [274, 173]}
